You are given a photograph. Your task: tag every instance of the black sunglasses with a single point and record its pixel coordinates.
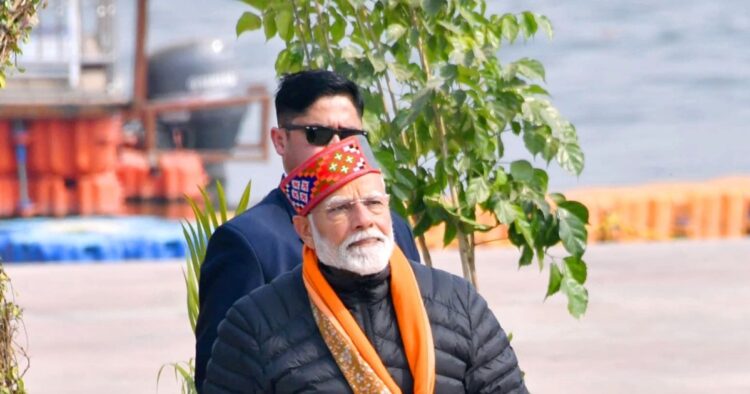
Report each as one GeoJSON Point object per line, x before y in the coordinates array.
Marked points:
{"type": "Point", "coordinates": [322, 135]}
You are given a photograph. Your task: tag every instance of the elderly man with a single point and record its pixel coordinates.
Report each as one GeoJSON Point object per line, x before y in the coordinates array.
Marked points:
{"type": "Point", "coordinates": [313, 109]}
{"type": "Point", "coordinates": [357, 316]}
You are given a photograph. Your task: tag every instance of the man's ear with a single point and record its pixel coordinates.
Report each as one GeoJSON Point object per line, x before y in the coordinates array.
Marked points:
{"type": "Point", "coordinates": [279, 138]}
{"type": "Point", "coordinates": [302, 226]}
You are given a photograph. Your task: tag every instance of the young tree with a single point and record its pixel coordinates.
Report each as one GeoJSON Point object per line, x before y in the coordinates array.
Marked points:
{"type": "Point", "coordinates": [13, 359]}
{"type": "Point", "coordinates": [17, 17]}
{"type": "Point", "coordinates": [439, 104]}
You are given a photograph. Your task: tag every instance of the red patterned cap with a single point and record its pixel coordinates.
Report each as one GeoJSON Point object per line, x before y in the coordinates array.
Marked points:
{"type": "Point", "coordinates": [327, 171]}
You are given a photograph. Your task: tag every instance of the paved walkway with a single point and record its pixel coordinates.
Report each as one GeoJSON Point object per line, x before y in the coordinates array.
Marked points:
{"type": "Point", "coordinates": [663, 318]}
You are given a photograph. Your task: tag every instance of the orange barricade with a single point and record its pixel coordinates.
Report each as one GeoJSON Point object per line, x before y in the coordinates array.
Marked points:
{"type": "Point", "coordinates": [49, 195]}
{"type": "Point", "coordinates": [7, 149]}
{"type": "Point", "coordinates": [73, 147]}
{"type": "Point", "coordinates": [50, 148]}
{"type": "Point", "coordinates": [8, 195]}
{"type": "Point", "coordinates": [99, 194]}
{"type": "Point", "coordinates": [97, 141]}
{"type": "Point", "coordinates": [133, 173]}
{"type": "Point", "coordinates": [180, 174]}
{"type": "Point", "coordinates": [735, 206]}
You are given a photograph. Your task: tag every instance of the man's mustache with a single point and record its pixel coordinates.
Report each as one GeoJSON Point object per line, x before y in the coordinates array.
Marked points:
{"type": "Point", "coordinates": [364, 234]}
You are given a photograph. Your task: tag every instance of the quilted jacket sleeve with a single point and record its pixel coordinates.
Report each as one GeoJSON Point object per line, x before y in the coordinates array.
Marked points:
{"type": "Point", "coordinates": [235, 365]}
{"type": "Point", "coordinates": [494, 367]}
{"type": "Point", "coordinates": [230, 270]}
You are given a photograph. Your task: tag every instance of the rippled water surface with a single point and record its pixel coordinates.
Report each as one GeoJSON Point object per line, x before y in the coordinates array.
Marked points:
{"type": "Point", "coordinates": [658, 90]}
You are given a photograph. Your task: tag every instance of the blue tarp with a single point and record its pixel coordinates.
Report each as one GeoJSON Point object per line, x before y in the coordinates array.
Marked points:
{"type": "Point", "coordinates": [90, 239]}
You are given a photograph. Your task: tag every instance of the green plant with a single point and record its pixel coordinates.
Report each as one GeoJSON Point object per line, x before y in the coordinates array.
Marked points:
{"type": "Point", "coordinates": [17, 17]}
{"type": "Point", "coordinates": [11, 371]}
{"type": "Point", "coordinates": [439, 105]}
{"type": "Point", "coordinates": [207, 220]}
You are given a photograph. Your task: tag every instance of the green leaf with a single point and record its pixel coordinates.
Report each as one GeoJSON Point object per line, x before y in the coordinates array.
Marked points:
{"type": "Point", "coordinates": [546, 25]}
{"type": "Point", "coordinates": [421, 99]}
{"type": "Point", "coordinates": [529, 24]}
{"type": "Point", "coordinates": [521, 170]}
{"type": "Point", "coordinates": [577, 268]}
{"type": "Point", "coordinates": [269, 24]}
{"type": "Point", "coordinates": [557, 197]}
{"type": "Point", "coordinates": [338, 28]}
{"type": "Point", "coordinates": [191, 246]}
{"type": "Point", "coordinates": [260, 5]}
{"type": "Point", "coordinates": [472, 17]}
{"type": "Point", "coordinates": [555, 279]}
{"type": "Point", "coordinates": [507, 212]}
{"type": "Point", "coordinates": [424, 224]}
{"type": "Point", "coordinates": [531, 68]}
{"type": "Point", "coordinates": [577, 209]}
{"type": "Point", "coordinates": [578, 296]}
{"type": "Point", "coordinates": [406, 178]}
{"type": "Point", "coordinates": [501, 178]}
{"type": "Point", "coordinates": [394, 32]}
{"type": "Point", "coordinates": [387, 161]}
{"type": "Point", "coordinates": [573, 233]}
{"type": "Point", "coordinates": [201, 218]}
{"type": "Point", "coordinates": [527, 255]}
{"type": "Point", "coordinates": [523, 227]}
{"type": "Point", "coordinates": [509, 27]}
{"type": "Point", "coordinates": [570, 157]}
{"type": "Point", "coordinates": [399, 192]}
{"type": "Point", "coordinates": [515, 127]}
{"type": "Point", "coordinates": [378, 62]}
{"type": "Point", "coordinates": [351, 54]}
{"type": "Point", "coordinates": [284, 23]}
{"type": "Point", "coordinates": [535, 139]}
{"type": "Point", "coordinates": [478, 191]}
{"type": "Point", "coordinates": [451, 27]}
{"type": "Point", "coordinates": [248, 22]}
{"type": "Point", "coordinates": [402, 73]}
{"type": "Point", "coordinates": [450, 232]}
{"type": "Point", "coordinates": [550, 232]}
{"type": "Point", "coordinates": [540, 180]}
{"type": "Point", "coordinates": [210, 211]}
{"type": "Point", "coordinates": [536, 89]}
{"type": "Point", "coordinates": [432, 7]}
{"type": "Point", "coordinates": [244, 199]}
{"type": "Point", "coordinates": [222, 202]}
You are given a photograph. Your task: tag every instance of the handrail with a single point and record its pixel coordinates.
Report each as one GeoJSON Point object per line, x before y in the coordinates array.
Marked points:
{"type": "Point", "coordinates": [246, 151]}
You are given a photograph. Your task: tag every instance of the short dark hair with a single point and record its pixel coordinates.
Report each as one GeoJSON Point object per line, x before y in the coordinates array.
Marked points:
{"type": "Point", "coordinates": [298, 91]}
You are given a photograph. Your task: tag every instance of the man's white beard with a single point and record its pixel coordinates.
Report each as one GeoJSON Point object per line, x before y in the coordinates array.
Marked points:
{"type": "Point", "coordinates": [362, 260]}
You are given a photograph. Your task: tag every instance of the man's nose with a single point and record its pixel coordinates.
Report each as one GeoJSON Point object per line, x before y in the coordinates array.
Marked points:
{"type": "Point", "coordinates": [361, 217]}
{"type": "Point", "coordinates": [335, 139]}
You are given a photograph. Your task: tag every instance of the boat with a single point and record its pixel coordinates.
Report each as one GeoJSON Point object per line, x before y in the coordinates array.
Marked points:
{"type": "Point", "coordinates": [74, 141]}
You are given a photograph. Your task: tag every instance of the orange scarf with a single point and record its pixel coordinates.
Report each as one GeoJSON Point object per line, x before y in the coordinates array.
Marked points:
{"type": "Point", "coordinates": [413, 323]}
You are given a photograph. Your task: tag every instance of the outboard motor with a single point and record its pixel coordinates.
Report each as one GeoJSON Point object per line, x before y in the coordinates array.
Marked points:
{"type": "Point", "coordinates": [202, 69]}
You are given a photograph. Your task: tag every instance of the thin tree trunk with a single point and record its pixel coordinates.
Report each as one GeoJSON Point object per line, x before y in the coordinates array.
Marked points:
{"type": "Point", "coordinates": [466, 250]}
{"type": "Point", "coordinates": [425, 251]}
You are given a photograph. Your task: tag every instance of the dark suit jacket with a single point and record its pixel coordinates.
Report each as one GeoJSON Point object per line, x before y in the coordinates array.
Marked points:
{"type": "Point", "coordinates": [249, 251]}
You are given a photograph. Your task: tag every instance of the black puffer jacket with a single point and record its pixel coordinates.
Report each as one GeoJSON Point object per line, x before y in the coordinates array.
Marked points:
{"type": "Point", "coordinates": [269, 341]}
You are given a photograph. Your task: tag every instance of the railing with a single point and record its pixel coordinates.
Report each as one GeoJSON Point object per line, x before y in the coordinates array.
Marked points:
{"type": "Point", "coordinates": [72, 35]}
{"type": "Point", "coordinates": [241, 151]}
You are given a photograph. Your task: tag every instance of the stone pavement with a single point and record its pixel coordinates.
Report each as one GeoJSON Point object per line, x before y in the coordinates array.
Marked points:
{"type": "Point", "coordinates": [663, 318]}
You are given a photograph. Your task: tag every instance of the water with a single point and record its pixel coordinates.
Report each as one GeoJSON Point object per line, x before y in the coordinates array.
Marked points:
{"type": "Point", "coordinates": [658, 90]}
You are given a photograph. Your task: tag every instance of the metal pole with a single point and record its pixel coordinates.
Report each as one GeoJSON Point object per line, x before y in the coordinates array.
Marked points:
{"type": "Point", "coordinates": [141, 65]}
{"type": "Point", "coordinates": [74, 42]}
{"type": "Point", "coordinates": [21, 140]}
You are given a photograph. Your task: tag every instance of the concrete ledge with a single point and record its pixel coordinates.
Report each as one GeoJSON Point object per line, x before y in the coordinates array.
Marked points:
{"type": "Point", "coordinates": [664, 318]}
